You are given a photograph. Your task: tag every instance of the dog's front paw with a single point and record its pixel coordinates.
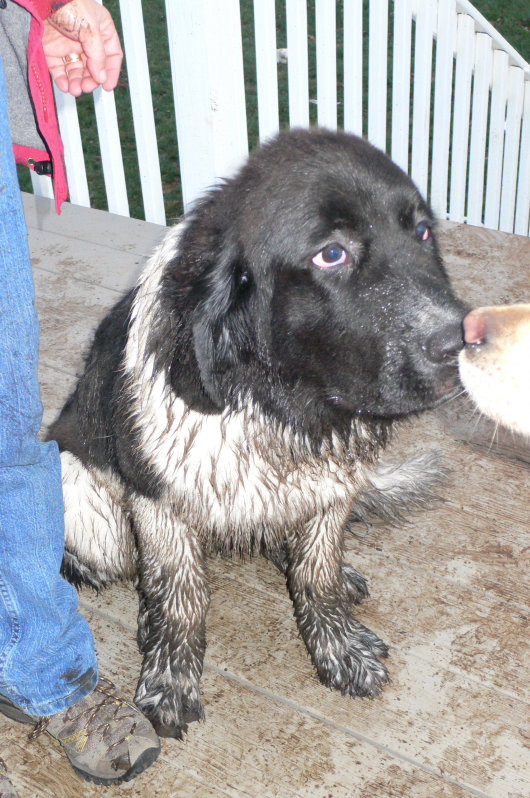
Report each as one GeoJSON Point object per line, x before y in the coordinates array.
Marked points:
{"type": "Point", "coordinates": [349, 661]}
{"type": "Point", "coordinates": [169, 706]}
{"type": "Point", "coordinates": [345, 653]}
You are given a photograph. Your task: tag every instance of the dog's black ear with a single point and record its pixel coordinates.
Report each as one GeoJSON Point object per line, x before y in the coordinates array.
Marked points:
{"type": "Point", "coordinates": [221, 322]}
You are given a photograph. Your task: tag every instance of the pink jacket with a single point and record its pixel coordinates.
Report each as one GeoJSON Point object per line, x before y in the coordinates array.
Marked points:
{"type": "Point", "coordinates": [48, 161]}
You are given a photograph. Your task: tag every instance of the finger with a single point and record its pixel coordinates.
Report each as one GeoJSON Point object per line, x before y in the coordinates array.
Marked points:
{"type": "Point", "coordinates": [88, 84]}
{"type": "Point", "coordinates": [113, 71]}
{"type": "Point", "coordinates": [94, 51]}
{"type": "Point", "coordinates": [58, 73]}
{"type": "Point", "coordinates": [67, 76]}
{"type": "Point", "coordinates": [103, 39]}
{"type": "Point", "coordinates": [74, 75]}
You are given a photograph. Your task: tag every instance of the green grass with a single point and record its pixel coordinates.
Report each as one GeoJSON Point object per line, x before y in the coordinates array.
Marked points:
{"type": "Point", "coordinates": [510, 17]}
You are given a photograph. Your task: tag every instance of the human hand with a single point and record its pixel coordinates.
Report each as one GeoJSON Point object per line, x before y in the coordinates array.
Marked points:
{"type": "Point", "coordinates": [86, 28]}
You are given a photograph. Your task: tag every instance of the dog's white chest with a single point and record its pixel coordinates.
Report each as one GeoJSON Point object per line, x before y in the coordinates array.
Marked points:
{"type": "Point", "coordinates": [234, 472]}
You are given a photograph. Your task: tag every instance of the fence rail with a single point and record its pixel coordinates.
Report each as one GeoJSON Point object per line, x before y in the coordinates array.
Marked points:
{"type": "Point", "coordinates": [431, 82]}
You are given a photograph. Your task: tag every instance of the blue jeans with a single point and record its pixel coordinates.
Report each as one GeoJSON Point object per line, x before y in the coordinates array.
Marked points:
{"type": "Point", "coordinates": [47, 659]}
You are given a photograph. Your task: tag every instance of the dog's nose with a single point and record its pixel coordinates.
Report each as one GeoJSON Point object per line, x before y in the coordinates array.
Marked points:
{"type": "Point", "coordinates": [475, 328]}
{"type": "Point", "coordinates": [445, 343]}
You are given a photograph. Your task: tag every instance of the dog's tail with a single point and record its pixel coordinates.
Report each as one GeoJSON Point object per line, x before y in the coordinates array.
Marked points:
{"type": "Point", "coordinates": [393, 492]}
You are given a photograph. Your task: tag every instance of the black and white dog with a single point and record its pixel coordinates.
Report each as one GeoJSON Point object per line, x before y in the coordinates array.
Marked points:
{"type": "Point", "coordinates": [238, 397]}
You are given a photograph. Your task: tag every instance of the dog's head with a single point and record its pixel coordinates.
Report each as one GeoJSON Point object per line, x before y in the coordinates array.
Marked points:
{"type": "Point", "coordinates": [315, 285]}
{"type": "Point", "coordinates": [494, 364]}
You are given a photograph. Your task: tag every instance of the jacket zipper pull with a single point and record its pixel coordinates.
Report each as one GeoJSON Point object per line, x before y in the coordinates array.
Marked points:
{"type": "Point", "coordinates": [40, 167]}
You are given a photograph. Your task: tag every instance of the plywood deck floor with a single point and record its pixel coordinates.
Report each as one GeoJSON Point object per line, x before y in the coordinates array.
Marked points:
{"type": "Point", "coordinates": [449, 591]}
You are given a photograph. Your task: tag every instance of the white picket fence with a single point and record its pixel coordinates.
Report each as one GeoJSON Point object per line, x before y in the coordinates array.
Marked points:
{"type": "Point", "coordinates": [456, 116]}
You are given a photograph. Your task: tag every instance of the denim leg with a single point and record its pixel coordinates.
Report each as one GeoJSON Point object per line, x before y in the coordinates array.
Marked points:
{"type": "Point", "coordinates": [47, 659]}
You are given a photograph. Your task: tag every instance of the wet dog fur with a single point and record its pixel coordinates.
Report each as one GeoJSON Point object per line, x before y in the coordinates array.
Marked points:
{"type": "Point", "coordinates": [494, 365]}
{"type": "Point", "coordinates": [237, 399]}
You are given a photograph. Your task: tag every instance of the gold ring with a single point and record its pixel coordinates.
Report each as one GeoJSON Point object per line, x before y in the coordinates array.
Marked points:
{"type": "Point", "coordinates": [71, 58]}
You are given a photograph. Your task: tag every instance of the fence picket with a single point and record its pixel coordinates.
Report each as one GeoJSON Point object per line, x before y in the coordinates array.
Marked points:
{"type": "Point", "coordinates": [377, 72]}
{"type": "Point", "coordinates": [326, 48]}
{"type": "Point", "coordinates": [353, 66]}
{"type": "Point", "coordinates": [499, 95]}
{"type": "Point", "coordinates": [401, 82]}
{"type": "Point", "coordinates": [42, 186]}
{"type": "Point", "coordinates": [142, 109]}
{"type": "Point", "coordinates": [421, 115]}
{"type": "Point", "coordinates": [210, 97]}
{"type": "Point", "coordinates": [511, 148]}
{"type": "Point", "coordinates": [479, 125]}
{"type": "Point", "coordinates": [297, 63]}
{"type": "Point", "coordinates": [443, 87]}
{"type": "Point", "coordinates": [522, 213]}
{"type": "Point", "coordinates": [266, 68]}
{"type": "Point", "coordinates": [110, 147]}
{"type": "Point", "coordinates": [111, 155]}
{"type": "Point", "coordinates": [74, 158]}
{"type": "Point", "coordinates": [462, 100]}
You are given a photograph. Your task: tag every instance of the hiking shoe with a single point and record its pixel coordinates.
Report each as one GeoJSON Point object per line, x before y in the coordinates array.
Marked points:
{"type": "Point", "coordinates": [6, 788]}
{"type": "Point", "coordinates": [106, 739]}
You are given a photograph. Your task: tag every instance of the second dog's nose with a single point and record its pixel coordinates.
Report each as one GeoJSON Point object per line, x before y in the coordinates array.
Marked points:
{"type": "Point", "coordinates": [474, 328]}
{"type": "Point", "coordinates": [445, 344]}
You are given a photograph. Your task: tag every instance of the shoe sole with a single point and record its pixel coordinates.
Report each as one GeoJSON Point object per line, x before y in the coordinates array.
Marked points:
{"type": "Point", "coordinates": [12, 712]}
{"type": "Point", "coordinates": [144, 761]}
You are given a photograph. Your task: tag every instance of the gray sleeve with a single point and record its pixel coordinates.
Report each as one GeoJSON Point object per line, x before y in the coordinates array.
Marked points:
{"type": "Point", "coordinates": [14, 32]}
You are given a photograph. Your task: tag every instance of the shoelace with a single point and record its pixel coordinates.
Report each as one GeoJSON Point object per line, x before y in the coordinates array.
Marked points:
{"type": "Point", "coordinates": [106, 688]}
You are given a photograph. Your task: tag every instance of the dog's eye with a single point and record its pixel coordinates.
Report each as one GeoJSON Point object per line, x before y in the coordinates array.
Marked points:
{"type": "Point", "coordinates": [331, 256]}
{"type": "Point", "coordinates": [422, 231]}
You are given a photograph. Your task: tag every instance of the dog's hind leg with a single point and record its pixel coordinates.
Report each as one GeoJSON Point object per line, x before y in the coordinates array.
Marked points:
{"type": "Point", "coordinates": [174, 599]}
{"type": "Point", "coordinates": [99, 546]}
{"type": "Point", "coordinates": [345, 653]}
